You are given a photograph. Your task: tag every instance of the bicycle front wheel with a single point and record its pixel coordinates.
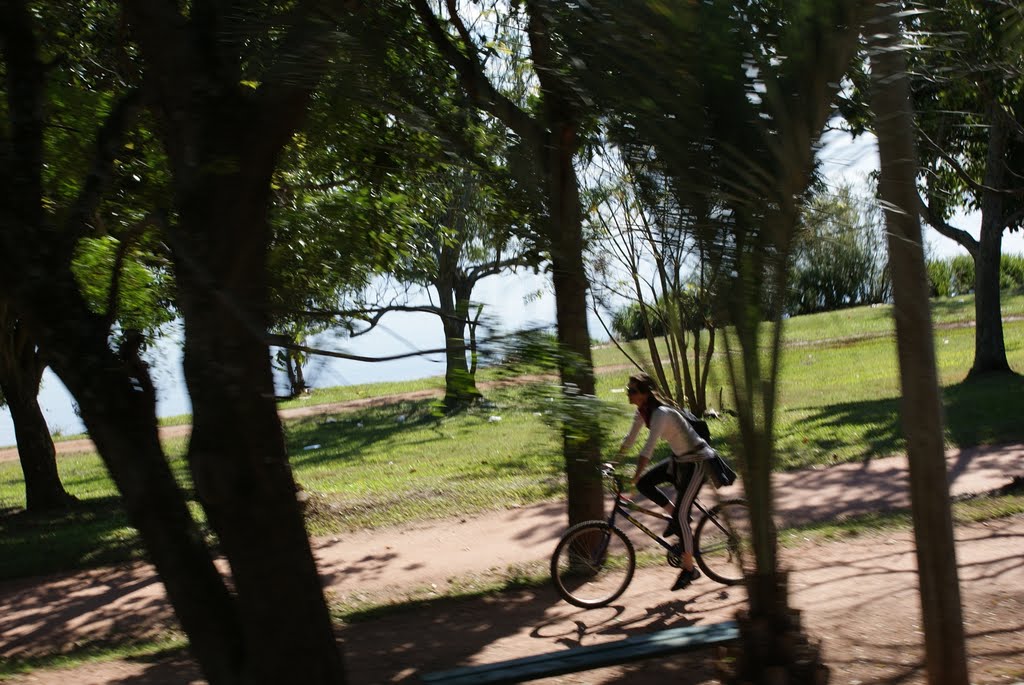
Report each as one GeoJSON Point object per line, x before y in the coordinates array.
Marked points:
{"type": "Point", "coordinates": [722, 542]}
{"type": "Point", "coordinates": [592, 564]}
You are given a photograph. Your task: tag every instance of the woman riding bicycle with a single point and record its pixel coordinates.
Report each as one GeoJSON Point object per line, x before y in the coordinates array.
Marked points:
{"type": "Point", "coordinates": [686, 467]}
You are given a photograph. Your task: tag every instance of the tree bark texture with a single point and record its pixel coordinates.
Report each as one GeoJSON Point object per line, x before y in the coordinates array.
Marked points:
{"type": "Point", "coordinates": [989, 347]}
{"type": "Point", "coordinates": [116, 398]}
{"type": "Point", "coordinates": [237, 452]}
{"type": "Point", "coordinates": [921, 405]}
{"type": "Point", "coordinates": [223, 140]}
{"type": "Point", "coordinates": [581, 436]}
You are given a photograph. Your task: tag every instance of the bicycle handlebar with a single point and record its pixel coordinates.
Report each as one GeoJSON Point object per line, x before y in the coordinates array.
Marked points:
{"type": "Point", "coordinates": [608, 470]}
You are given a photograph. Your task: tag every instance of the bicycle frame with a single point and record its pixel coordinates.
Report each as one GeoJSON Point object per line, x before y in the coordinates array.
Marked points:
{"type": "Point", "coordinates": [624, 506]}
{"type": "Point", "coordinates": [580, 565]}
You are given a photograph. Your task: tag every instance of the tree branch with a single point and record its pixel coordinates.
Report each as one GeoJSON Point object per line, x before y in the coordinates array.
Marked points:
{"type": "Point", "coordinates": [471, 74]}
{"type": "Point", "coordinates": [494, 268]}
{"type": "Point", "coordinates": [24, 89]}
{"type": "Point", "coordinates": [460, 27]}
{"type": "Point", "coordinates": [975, 185]}
{"type": "Point", "coordinates": [300, 62]}
{"type": "Point", "coordinates": [936, 221]}
{"type": "Point", "coordinates": [163, 37]}
{"type": "Point", "coordinates": [110, 315]}
{"type": "Point", "coordinates": [285, 342]}
{"type": "Point", "coordinates": [544, 56]}
{"type": "Point", "coordinates": [108, 144]}
{"type": "Point", "coordinates": [1012, 222]}
{"type": "Point", "coordinates": [373, 316]}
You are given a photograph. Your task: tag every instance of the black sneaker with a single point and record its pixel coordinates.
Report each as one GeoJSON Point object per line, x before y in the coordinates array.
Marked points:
{"type": "Point", "coordinates": [672, 529]}
{"type": "Point", "coordinates": [685, 578]}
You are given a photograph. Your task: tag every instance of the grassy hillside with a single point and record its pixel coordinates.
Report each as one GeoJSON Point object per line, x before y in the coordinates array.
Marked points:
{"type": "Point", "coordinates": [839, 385]}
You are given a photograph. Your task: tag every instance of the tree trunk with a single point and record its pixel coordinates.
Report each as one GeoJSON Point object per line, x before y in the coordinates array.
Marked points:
{"type": "Point", "coordinates": [581, 433]}
{"type": "Point", "coordinates": [223, 140]}
{"type": "Point", "coordinates": [19, 383]}
{"type": "Point", "coordinates": [118, 405]}
{"type": "Point", "coordinates": [921, 405]}
{"type": "Point", "coordinates": [775, 650]}
{"type": "Point", "coordinates": [293, 369]}
{"type": "Point", "coordinates": [702, 385]}
{"type": "Point", "coordinates": [459, 382]}
{"type": "Point", "coordinates": [237, 451]}
{"type": "Point", "coordinates": [299, 387]}
{"type": "Point", "coordinates": [989, 348]}
{"type": "Point", "coordinates": [774, 646]}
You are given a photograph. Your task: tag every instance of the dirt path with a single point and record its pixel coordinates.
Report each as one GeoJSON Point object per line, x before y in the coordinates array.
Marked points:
{"type": "Point", "coordinates": [859, 596]}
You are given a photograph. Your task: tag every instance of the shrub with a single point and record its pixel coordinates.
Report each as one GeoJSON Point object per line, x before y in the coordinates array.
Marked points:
{"type": "Point", "coordinates": [961, 275]}
{"type": "Point", "coordinates": [955, 275]}
{"type": "Point", "coordinates": [839, 256]}
{"type": "Point", "coordinates": [628, 324]}
{"type": "Point", "coordinates": [1011, 271]}
{"type": "Point", "coordinates": [940, 277]}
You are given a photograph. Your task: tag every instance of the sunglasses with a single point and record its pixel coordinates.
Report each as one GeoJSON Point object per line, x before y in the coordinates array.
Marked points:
{"type": "Point", "coordinates": [632, 391]}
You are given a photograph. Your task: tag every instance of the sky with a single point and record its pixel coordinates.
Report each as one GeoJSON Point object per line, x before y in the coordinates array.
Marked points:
{"type": "Point", "coordinates": [514, 299]}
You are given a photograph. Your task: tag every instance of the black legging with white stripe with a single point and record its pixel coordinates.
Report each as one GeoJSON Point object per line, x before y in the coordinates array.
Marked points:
{"type": "Point", "coordinates": [686, 501]}
{"type": "Point", "coordinates": [658, 474]}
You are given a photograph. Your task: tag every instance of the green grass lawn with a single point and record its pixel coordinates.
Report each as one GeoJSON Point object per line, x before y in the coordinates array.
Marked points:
{"type": "Point", "coordinates": [839, 385]}
{"type": "Point", "coordinates": [839, 401]}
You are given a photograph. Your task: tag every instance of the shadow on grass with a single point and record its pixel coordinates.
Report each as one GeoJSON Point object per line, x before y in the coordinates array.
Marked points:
{"type": "Point", "coordinates": [981, 411]}
{"type": "Point", "coordinates": [93, 532]}
{"type": "Point", "coordinates": [877, 427]}
{"type": "Point", "coordinates": [949, 308]}
{"type": "Point", "coordinates": [320, 441]}
{"type": "Point", "coordinates": [985, 410]}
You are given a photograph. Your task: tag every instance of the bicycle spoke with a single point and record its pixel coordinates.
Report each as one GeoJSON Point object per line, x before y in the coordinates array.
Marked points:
{"type": "Point", "coordinates": [723, 542]}
{"type": "Point", "coordinates": [592, 564]}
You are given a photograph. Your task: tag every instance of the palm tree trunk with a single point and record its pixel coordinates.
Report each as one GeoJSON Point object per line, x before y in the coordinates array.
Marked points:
{"type": "Point", "coordinates": [921, 405]}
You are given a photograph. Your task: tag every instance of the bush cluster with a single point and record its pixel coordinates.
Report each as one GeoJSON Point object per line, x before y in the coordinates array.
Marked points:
{"type": "Point", "coordinates": [955, 275]}
{"type": "Point", "coordinates": [815, 289]}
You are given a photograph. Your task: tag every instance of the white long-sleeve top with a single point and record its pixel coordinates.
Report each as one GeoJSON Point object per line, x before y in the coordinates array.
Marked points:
{"type": "Point", "coordinates": [668, 424]}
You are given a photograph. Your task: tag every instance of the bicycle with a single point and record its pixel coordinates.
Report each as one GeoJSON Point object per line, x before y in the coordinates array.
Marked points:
{"type": "Point", "coordinates": [594, 561]}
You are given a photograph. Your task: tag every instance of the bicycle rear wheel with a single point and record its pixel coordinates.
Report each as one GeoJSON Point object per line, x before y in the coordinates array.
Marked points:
{"type": "Point", "coordinates": [593, 564]}
{"type": "Point", "coordinates": [722, 542]}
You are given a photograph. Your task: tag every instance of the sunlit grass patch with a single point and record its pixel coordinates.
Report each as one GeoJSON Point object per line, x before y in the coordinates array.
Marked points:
{"type": "Point", "coordinates": [404, 462]}
{"type": "Point", "coordinates": [145, 650]}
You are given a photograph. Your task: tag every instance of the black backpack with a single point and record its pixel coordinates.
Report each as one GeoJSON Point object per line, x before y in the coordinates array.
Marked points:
{"type": "Point", "coordinates": [719, 471]}
{"type": "Point", "coordinates": [700, 426]}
